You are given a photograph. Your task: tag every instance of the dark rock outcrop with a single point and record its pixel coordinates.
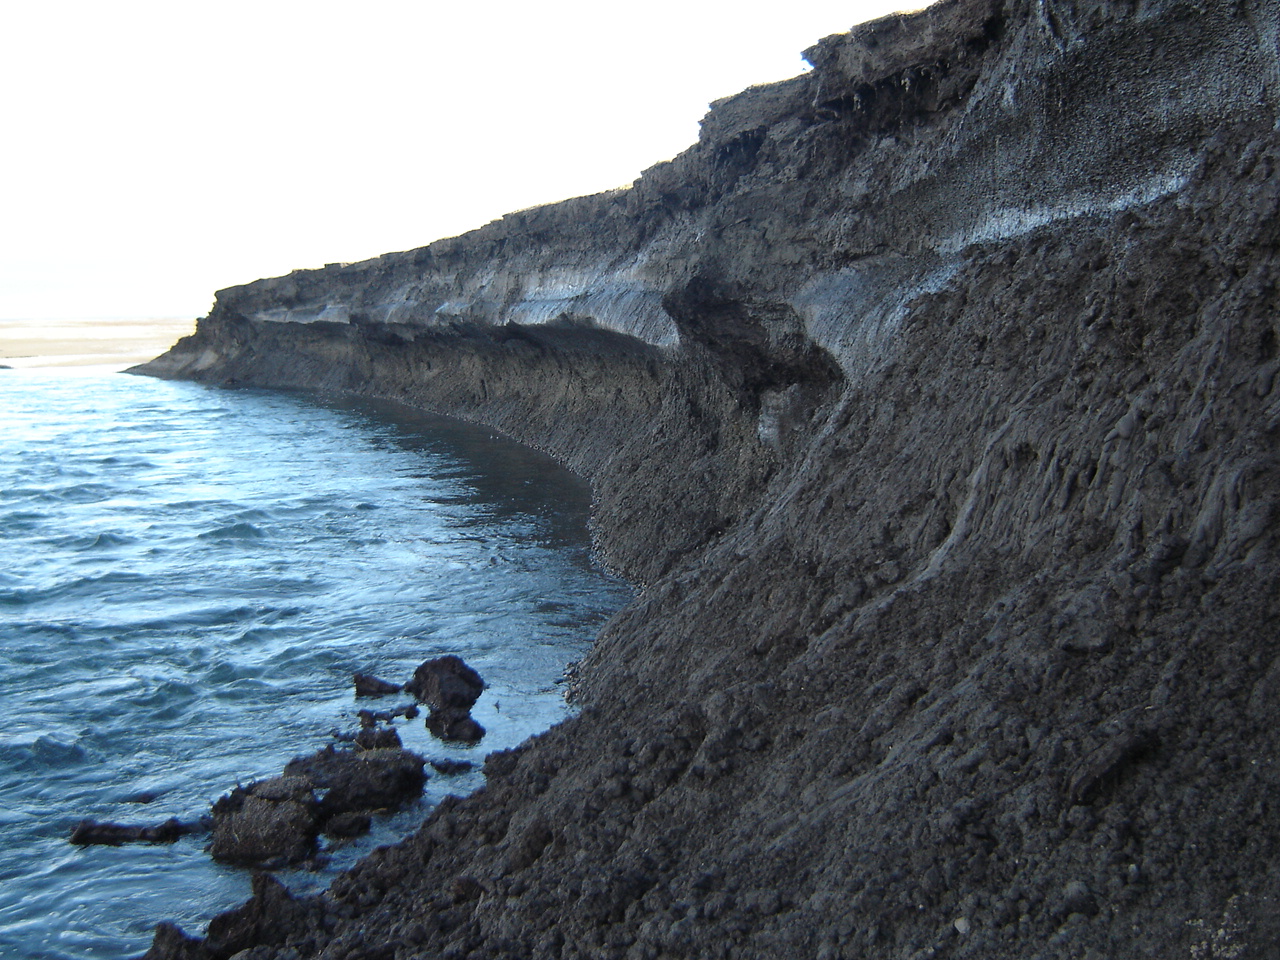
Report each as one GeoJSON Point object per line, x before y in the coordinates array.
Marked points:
{"type": "Point", "coordinates": [370, 718]}
{"type": "Point", "coordinates": [361, 780]}
{"type": "Point", "coordinates": [377, 738]}
{"type": "Point", "coordinates": [171, 943]}
{"type": "Point", "coordinates": [276, 822]}
{"type": "Point", "coordinates": [931, 401]}
{"type": "Point", "coordinates": [370, 686]}
{"type": "Point", "coordinates": [346, 825]}
{"type": "Point", "coordinates": [268, 823]}
{"type": "Point", "coordinates": [454, 724]}
{"type": "Point", "coordinates": [265, 921]}
{"type": "Point", "coordinates": [449, 768]}
{"type": "Point", "coordinates": [446, 683]}
{"type": "Point", "coordinates": [450, 689]}
{"type": "Point", "coordinates": [94, 833]}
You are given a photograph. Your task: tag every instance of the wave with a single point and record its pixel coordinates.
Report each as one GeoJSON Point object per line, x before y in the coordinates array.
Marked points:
{"type": "Point", "coordinates": [235, 531]}
{"type": "Point", "coordinates": [92, 541]}
{"type": "Point", "coordinates": [43, 753]}
{"type": "Point", "coordinates": [91, 587]}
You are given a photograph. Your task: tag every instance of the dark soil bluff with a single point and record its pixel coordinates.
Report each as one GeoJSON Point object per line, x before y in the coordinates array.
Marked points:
{"type": "Point", "coordinates": [931, 401]}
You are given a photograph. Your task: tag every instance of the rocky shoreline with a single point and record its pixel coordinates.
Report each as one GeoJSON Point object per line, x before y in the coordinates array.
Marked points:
{"type": "Point", "coordinates": [277, 822]}
{"type": "Point", "coordinates": [929, 400]}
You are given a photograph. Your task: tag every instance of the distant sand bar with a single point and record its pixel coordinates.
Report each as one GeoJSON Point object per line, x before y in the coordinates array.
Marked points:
{"type": "Point", "coordinates": [63, 343]}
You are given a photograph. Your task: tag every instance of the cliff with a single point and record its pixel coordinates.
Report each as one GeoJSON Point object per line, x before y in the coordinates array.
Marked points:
{"type": "Point", "coordinates": [930, 399]}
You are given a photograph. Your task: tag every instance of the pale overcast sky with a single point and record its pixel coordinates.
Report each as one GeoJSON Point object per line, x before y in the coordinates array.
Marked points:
{"type": "Point", "coordinates": [156, 150]}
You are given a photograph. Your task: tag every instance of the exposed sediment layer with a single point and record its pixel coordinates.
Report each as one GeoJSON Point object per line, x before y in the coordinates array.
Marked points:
{"type": "Point", "coordinates": [931, 399]}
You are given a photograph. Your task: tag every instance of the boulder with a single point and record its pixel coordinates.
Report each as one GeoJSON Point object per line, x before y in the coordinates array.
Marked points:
{"type": "Point", "coordinates": [346, 825]}
{"type": "Point", "coordinates": [361, 780]}
{"type": "Point", "coordinates": [370, 686]}
{"type": "Point", "coordinates": [450, 768]}
{"type": "Point", "coordinates": [92, 833]}
{"type": "Point", "coordinates": [261, 922]}
{"type": "Point", "coordinates": [455, 725]}
{"type": "Point", "coordinates": [369, 718]}
{"type": "Point", "coordinates": [171, 943]}
{"type": "Point", "coordinates": [446, 683]}
{"type": "Point", "coordinates": [377, 738]}
{"type": "Point", "coordinates": [268, 823]}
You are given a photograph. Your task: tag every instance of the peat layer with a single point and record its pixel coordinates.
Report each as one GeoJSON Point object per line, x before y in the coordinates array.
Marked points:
{"type": "Point", "coordinates": [931, 402]}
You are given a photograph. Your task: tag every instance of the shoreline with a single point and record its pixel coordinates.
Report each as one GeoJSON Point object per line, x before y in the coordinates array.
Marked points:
{"type": "Point", "coordinates": [41, 344]}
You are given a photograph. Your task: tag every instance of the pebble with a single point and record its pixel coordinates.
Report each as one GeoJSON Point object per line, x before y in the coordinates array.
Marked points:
{"type": "Point", "coordinates": [1076, 898]}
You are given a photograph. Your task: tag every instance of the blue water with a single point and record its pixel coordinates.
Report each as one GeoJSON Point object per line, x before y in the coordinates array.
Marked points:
{"type": "Point", "coordinates": [189, 578]}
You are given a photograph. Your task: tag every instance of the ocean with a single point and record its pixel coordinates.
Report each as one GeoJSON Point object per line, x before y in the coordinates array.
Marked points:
{"type": "Point", "coordinates": [191, 575]}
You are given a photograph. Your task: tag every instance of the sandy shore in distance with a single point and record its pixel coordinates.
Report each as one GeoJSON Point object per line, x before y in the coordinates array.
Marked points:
{"type": "Point", "coordinates": [61, 343]}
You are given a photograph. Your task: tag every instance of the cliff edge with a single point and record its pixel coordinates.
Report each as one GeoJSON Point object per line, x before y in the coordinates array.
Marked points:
{"type": "Point", "coordinates": [930, 399]}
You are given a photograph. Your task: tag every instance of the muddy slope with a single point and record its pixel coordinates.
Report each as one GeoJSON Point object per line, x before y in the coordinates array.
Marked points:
{"type": "Point", "coordinates": [931, 399]}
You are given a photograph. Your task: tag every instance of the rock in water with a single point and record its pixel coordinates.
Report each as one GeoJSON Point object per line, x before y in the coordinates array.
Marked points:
{"type": "Point", "coordinates": [268, 823]}
{"type": "Point", "coordinates": [452, 724]}
{"type": "Point", "coordinates": [361, 780]}
{"type": "Point", "coordinates": [450, 768]}
{"type": "Point", "coordinates": [450, 688]}
{"type": "Point", "coordinates": [377, 738]}
{"type": "Point", "coordinates": [265, 918]}
{"type": "Point", "coordinates": [446, 683]}
{"type": "Point", "coordinates": [93, 833]}
{"type": "Point", "coordinates": [171, 943]}
{"type": "Point", "coordinates": [369, 686]}
{"type": "Point", "coordinates": [276, 822]}
{"type": "Point", "coordinates": [346, 825]}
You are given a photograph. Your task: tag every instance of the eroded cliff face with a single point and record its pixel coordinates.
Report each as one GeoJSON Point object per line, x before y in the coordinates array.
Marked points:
{"type": "Point", "coordinates": [931, 400]}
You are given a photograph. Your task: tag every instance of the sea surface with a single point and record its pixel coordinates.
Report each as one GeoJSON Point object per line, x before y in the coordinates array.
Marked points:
{"type": "Point", "coordinates": [190, 576]}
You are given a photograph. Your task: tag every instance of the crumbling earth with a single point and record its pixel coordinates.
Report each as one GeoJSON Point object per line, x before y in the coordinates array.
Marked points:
{"type": "Point", "coordinates": [930, 400]}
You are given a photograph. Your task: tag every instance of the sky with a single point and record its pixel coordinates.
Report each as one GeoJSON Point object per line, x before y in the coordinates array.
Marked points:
{"type": "Point", "coordinates": [152, 153]}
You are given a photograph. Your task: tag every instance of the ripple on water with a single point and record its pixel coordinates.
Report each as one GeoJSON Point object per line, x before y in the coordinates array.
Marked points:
{"type": "Point", "coordinates": [100, 587]}
{"type": "Point", "coordinates": [241, 530]}
{"type": "Point", "coordinates": [44, 753]}
{"type": "Point", "coordinates": [163, 699]}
